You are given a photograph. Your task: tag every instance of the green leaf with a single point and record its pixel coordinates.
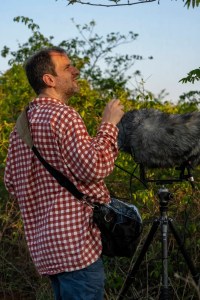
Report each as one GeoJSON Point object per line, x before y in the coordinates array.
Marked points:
{"type": "Point", "coordinates": [192, 76]}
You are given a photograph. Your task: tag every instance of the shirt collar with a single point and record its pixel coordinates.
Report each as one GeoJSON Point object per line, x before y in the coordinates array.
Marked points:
{"type": "Point", "coordinates": [45, 101]}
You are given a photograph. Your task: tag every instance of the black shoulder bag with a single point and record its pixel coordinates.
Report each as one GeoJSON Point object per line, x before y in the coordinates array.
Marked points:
{"type": "Point", "coordinates": [120, 222]}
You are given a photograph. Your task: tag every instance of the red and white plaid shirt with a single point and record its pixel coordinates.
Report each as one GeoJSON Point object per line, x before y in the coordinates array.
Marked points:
{"type": "Point", "coordinates": [59, 229]}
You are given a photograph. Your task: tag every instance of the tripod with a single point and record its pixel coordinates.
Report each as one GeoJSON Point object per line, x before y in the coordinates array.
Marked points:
{"type": "Point", "coordinates": [164, 222]}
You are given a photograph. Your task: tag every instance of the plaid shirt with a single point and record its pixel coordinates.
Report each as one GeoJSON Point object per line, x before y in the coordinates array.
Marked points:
{"type": "Point", "coordinates": [59, 229]}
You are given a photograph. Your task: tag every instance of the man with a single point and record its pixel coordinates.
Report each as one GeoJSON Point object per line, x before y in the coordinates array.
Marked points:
{"type": "Point", "coordinates": [64, 242]}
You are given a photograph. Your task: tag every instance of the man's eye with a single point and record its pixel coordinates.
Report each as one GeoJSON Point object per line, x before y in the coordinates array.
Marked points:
{"type": "Point", "coordinates": [67, 67]}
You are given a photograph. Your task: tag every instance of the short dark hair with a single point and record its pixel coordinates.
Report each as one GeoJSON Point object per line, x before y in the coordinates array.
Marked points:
{"type": "Point", "coordinates": [39, 64]}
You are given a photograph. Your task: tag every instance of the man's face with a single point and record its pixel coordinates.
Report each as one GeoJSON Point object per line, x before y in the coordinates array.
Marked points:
{"type": "Point", "coordinates": [66, 80]}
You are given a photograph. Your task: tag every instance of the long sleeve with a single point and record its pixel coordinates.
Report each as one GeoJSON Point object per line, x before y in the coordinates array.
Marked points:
{"type": "Point", "coordinates": [90, 159]}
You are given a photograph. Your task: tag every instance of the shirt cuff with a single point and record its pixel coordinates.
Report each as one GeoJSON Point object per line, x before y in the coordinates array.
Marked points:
{"type": "Point", "coordinates": [110, 129]}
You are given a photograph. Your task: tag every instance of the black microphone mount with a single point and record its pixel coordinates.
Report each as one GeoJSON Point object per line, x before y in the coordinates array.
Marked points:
{"type": "Point", "coordinates": [185, 167]}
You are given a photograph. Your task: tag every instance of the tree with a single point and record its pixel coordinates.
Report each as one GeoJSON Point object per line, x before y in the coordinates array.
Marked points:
{"type": "Point", "coordinates": [114, 3]}
{"type": "Point", "coordinates": [190, 100]}
{"type": "Point", "coordinates": [111, 3]}
{"type": "Point", "coordinates": [94, 56]}
{"type": "Point", "coordinates": [103, 73]}
{"type": "Point", "coordinates": [193, 3]}
{"type": "Point", "coordinates": [89, 52]}
{"type": "Point", "coordinates": [192, 76]}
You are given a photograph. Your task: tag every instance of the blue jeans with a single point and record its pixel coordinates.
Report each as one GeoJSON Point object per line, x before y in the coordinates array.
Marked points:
{"type": "Point", "coordinates": [84, 284]}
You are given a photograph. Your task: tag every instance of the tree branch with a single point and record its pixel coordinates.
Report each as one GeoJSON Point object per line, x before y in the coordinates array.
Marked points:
{"type": "Point", "coordinates": [129, 3]}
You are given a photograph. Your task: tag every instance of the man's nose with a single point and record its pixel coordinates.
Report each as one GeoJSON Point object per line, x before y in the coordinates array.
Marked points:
{"type": "Point", "coordinates": [76, 72]}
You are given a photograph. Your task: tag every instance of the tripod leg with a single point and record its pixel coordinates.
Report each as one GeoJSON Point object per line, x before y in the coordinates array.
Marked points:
{"type": "Point", "coordinates": [164, 295]}
{"type": "Point", "coordinates": [189, 262]}
{"type": "Point", "coordinates": [136, 266]}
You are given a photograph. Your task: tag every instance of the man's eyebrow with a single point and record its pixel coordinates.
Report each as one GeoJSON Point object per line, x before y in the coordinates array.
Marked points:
{"type": "Point", "coordinates": [67, 65]}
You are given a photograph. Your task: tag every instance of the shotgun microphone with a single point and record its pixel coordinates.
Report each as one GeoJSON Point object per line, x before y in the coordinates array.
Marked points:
{"type": "Point", "coordinates": [157, 139]}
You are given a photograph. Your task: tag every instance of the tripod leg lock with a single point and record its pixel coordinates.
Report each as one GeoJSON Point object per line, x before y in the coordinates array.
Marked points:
{"type": "Point", "coordinates": [165, 294]}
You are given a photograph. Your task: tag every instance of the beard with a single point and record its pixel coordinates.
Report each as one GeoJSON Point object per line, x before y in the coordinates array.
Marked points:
{"type": "Point", "coordinates": [71, 91]}
{"type": "Point", "coordinates": [76, 87]}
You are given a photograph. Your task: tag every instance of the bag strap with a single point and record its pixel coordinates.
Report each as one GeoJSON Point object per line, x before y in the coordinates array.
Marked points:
{"type": "Point", "coordinates": [22, 126]}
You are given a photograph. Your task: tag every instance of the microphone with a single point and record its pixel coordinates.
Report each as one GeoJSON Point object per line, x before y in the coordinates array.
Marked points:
{"type": "Point", "coordinates": [157, 139]}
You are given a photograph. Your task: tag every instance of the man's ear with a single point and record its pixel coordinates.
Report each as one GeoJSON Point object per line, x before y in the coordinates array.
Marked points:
{"type": "Point", "coordinates": [49, 80]}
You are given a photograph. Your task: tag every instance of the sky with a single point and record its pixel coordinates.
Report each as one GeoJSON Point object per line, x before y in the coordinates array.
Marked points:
{"type": "Point", "coordinates": [167, 31]}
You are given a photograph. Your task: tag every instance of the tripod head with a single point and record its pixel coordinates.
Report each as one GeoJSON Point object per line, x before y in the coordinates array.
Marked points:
{"type": "Point", "coordinates": [164, 197]}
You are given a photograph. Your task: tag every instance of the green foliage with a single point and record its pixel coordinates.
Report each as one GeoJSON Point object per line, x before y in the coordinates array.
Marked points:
{"type": "Point", "coordinates": [35, 42]}
{"type": "Point", "coordinates": [192, 76]}
{"type": "Point", "coordinates": [15, 93]}
{"type": "Point", "coordinates": [193, 3]}
{"type": "Point", "coordinates": [18, 277]}
{"type": "Point", "coordinates": [104, 70]}
{"type": "Point", "coordinates": [189, 101]}
{"type": "Point", "coordinates": [91, 53]}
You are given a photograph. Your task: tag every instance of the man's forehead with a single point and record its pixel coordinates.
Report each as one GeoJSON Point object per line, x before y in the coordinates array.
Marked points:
{"type": "Point", "coordinates": [54, 53]}
{"type": "Point", "coordinates": [59, 58]}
